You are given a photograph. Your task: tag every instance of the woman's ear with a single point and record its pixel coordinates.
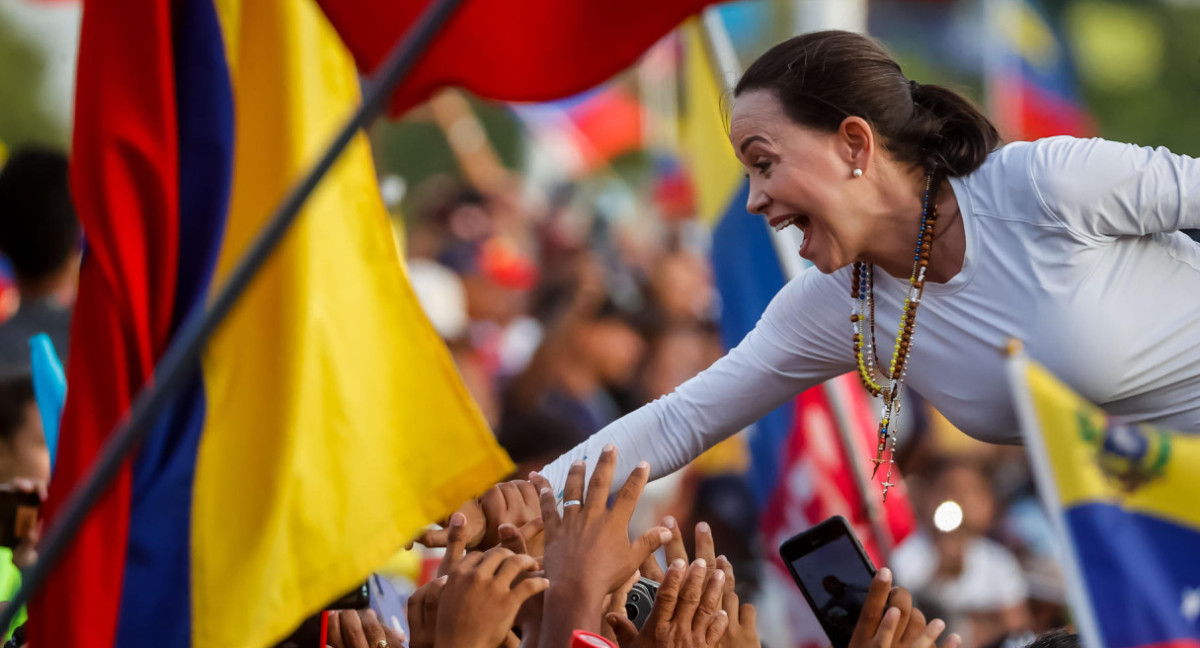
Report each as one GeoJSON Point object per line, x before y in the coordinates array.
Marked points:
{"type": "Point", "coordinates": [856, 143]}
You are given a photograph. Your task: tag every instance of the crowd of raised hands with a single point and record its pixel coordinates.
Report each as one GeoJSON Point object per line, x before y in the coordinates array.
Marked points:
{"type": "Point", "coordinates": [518, 572]}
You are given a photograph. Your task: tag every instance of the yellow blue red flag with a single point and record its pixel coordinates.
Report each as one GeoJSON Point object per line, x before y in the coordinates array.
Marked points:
{"type": "Point", "coordinates": [325, 423]}
{"type": "Point", "coordinates": [1124, 500]}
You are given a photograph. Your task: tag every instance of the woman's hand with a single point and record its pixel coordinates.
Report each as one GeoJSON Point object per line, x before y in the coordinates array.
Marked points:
{"type": "Point", "coordinates": [588, 547]}
{"type": "Point", "coordinates": [588, 551]}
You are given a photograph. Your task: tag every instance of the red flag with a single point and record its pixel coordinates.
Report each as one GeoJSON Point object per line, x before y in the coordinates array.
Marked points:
{"type": "Point", "coordinates": [817, 483]}
{"type": "Point", "coordinates": [510, 50]}
{"type": "Point", "coordinates": [124, 182]}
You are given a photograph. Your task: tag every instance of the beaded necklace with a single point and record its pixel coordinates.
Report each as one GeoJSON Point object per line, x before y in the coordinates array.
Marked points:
{"type": "Point", "coordinates": [862, 291]}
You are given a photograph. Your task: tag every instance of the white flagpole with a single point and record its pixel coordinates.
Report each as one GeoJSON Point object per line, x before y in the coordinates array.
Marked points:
{"type": "Point", "coordinates": [1039, 457]}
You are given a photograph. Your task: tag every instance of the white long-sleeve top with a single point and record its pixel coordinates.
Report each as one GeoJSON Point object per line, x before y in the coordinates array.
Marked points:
{"type": "Point", "coordinates": [1072, 246]}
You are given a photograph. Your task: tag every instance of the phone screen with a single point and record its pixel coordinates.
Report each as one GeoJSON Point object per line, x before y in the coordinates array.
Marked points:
{"type": "Point", "coordinates": [834, 574]}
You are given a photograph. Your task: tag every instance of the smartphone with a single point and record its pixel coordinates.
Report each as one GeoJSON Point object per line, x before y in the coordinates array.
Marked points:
{"type": "Point", "coordinates": [358, 598]}
{"type": "Point", "coordinates": [833, 572]}
{"type": "Point", "coordinates": [640, 601]}
{"type": "Point", "coordinates": [18, 515]}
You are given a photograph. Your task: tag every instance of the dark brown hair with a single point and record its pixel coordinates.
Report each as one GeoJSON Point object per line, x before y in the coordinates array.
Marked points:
{"type": "Point", "coordinates": [823, 77]}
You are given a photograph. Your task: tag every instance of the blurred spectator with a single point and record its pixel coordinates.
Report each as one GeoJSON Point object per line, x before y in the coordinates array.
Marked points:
{"type": "Point", "coordinates": [682, 283]}
{"type": "Point", "coordinates": [40, 235]}
{"type": "Point", "coordinates": [24, 465]}
{"type": "Point", "coordinates": [23, 451]}
{"type": "Point", "coordinates": [590, 351]}
{"type": "Point", "coordinates": [976, 581]}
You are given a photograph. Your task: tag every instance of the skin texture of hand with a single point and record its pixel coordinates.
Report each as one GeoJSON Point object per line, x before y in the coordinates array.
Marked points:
{"type": "Point", "coordinates": [615, 603]}
{"type": "Point", "coordinates": [743, 630]}
{"type": "Point", "coordinates": [743, 619]}
{"type": "Point", "coordinates": [483, 593]}
{"type": "Point", "coordinates": [900, 625]}
{"type": "Point", "coordinates": [687, 611]}
{"type": "Point", "coordinates": [360, 629]}
{"type": "Point", "coordinates": [422, 613]}
{"type": "Point", "coordinates": [588, 552]}
{"type": "Point", "coordinates": [676, 550]}
{"type": "Point", "coordinates": [514, 502]}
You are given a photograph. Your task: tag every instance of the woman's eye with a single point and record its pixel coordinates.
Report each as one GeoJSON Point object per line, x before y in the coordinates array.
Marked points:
{"type": "Point", "coordinates": [762, 166]}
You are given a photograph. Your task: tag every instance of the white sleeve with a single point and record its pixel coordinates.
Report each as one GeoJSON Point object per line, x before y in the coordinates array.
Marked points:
{"type": "Point", "coordinates": [788, 351]}
{"type": "Point", "coordinates": [1103, 189]}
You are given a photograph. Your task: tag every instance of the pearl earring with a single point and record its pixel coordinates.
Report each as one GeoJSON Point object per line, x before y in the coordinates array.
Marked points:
{"type": "Point", "coordinates": [858, 173]}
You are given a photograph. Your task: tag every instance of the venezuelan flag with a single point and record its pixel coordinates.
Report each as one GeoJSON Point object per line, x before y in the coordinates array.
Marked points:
{"type": "Point", "coordinates": [325, 423]}
{"type": "Point", "coordinates": [1124, 500]}
{"type": "Point", "coordinates": [1032, 85]}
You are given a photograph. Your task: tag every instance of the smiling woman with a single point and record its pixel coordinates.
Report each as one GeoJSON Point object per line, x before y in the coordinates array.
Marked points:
{"type": "Point", "coordinates": [1071, 245]}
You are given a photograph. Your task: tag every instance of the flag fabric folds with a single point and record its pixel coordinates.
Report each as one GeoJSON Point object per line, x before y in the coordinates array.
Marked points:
{"type": "Point", "coordinates": [550, 48]}
{"type": "Point", "coordinates": [1123, 500]}
{"type": "Point", "coordinates": [325, 423]}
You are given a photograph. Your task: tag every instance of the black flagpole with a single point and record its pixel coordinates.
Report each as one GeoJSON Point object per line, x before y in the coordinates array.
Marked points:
{"type": "Point", "coordinates": [184, 350]}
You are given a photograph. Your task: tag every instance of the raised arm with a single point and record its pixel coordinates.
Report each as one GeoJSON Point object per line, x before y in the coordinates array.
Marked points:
{"type": "Point", "coordinates": [788, 351]}
{"type": "Point", "coordinates": [1104, 189]}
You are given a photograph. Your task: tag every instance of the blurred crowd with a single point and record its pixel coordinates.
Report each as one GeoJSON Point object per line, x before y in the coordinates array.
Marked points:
{"type": "Point", "coordinates": [561, 318]}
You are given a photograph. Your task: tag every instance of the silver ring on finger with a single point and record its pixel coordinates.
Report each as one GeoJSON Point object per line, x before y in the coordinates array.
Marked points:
{"type": "Point", "coordinates": [572, 503]}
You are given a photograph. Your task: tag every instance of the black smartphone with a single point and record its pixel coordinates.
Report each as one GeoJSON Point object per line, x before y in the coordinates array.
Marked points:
{"type": "Point", "coordinates": [833, 572]}
{"type": "Point", "coordinates": [18, 515]}
{"type": "Point", "coordinates": [640, 601]}
{"type": "Point", "coordinates": [358, 598]}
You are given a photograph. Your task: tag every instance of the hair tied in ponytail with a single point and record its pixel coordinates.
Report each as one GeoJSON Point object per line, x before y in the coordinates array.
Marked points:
{"type": "Point", "coordinates": [820, 78]}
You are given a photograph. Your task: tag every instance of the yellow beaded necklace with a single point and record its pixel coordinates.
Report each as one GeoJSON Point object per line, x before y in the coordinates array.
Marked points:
{"type": "Point", "coordinates": [862, 290]}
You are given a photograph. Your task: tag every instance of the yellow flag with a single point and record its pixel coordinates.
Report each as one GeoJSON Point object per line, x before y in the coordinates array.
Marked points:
{"type": "Point", "coordinates": [336, 423]}
{"type": "Point", "coordinates": [715, 170]}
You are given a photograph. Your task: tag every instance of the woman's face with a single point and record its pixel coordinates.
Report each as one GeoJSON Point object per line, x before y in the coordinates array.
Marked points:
{"type": "Point", "coordinates": [803, 177]}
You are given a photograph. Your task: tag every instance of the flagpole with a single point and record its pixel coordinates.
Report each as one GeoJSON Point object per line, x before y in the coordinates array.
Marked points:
{"type": "Point", "coordinates": [183, 353]}
{"type": "Point", "coordinates": [725, 67]}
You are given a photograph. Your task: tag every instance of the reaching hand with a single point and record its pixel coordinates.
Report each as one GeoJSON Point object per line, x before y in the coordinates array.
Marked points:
{"type": "Point", "coordinates": [743, 628]}
{"type": "Point", "coordinates": [361, 629]}
{"type": "Point", "coordinates": [514, 502]}
{"type": "Point", "coordinates": [687, 611]}
{"type": "Point", "coordinates": [588, 552]}
{"type": "Point", "coordinates": [588, 547]}
{"type": "Point", "coordinates": [482, 596]}
{"type": "Point", "coordinates": [422, 613]}
{"type": "Point", "coordinates": [901, 626]}
{"type": "Point", "coordinates": [675, 550]}
{"type": "Point", "coordinates": [742, 631]}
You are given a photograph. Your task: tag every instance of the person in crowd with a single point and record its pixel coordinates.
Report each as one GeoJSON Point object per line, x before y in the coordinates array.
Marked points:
{"type": "Point", "coordinates": [912, 212]}
{"type": "Point", "coordinates": [40, 236]}
{"type": "Point", "coordinates": [590, 350]}
{"type": "Point", "coordinates": [23, 451]}
{"type": "Point", "coordinates": [24, 466]}
{"type": "Point", "coordinates": [977, 582]}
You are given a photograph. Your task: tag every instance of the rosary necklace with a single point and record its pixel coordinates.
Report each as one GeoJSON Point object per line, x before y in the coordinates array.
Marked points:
{"type": "Point", "coordinates": [870, 369]}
